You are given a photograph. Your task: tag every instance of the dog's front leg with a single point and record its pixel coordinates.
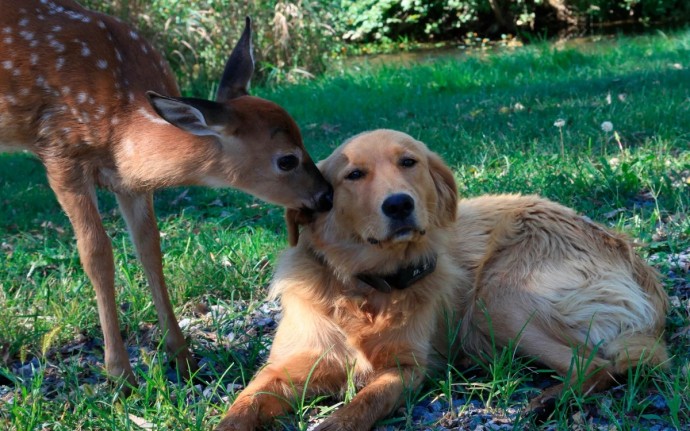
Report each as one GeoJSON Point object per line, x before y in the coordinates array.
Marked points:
{"type": "Point", "coordinates": [375, 401]}
{"type": "Point", "coordinates": [273, 390]}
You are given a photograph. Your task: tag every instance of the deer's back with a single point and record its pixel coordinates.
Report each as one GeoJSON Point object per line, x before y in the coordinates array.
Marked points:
{"type": "Point", "coordinates": [70, 78]}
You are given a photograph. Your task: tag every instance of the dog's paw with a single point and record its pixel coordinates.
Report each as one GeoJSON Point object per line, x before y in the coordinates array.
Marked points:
{"type": "Point", "coordinates": [541, 406]}
{"type": "Point", "coordinates": [335, 424]}
{"type": "Point", "coordinates": [230, 423]}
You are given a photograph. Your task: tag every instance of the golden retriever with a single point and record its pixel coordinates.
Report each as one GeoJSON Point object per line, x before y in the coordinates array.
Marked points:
{"type": "Point", "coordinates": [368, 290]}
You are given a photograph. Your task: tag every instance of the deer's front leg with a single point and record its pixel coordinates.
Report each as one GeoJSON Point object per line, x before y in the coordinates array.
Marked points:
{"type": "Point", "coordinates": [375, 401]}
{"type": "Point", "coordinates": [78, 199]}
{"type": "Point", "coordinates": [274, 389]}
{"type": "Point", "coordinates": [137, 210]}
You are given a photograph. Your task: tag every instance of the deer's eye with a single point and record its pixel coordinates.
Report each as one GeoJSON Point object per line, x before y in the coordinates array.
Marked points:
{"type": "Point", "coordinates": [288, 163]}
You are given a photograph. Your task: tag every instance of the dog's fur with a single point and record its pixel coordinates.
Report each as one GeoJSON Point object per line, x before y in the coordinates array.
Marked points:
{"type": "Point", "coordinates": [509, 268]}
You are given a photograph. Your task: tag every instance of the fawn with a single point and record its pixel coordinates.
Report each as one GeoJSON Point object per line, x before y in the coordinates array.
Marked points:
{"type": "Point", "coordinates": [82, 91]}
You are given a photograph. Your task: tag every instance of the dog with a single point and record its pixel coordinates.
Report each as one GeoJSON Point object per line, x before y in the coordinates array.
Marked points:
{"type": "Point", "coordinates": [372, 288]}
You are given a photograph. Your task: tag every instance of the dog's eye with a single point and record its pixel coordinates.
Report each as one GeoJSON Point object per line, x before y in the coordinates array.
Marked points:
{"type": "Point", "coordinates": [407, 162]}
{"type": "Point", "coordinates": [354, 175]}
{"type": "Point", "coordinates": [288, 163]}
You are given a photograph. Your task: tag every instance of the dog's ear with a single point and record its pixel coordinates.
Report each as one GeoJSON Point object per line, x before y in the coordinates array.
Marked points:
{"type": "Point", "coordinates": [292, 223]}
{"type": "Point", "coordinates": [446, 189]}
{"type": "Point", "coordinates": [293, 220]}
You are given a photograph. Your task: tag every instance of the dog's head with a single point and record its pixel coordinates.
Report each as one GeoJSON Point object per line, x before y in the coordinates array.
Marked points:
{"type": "Point", "coordinates": [389, 190]}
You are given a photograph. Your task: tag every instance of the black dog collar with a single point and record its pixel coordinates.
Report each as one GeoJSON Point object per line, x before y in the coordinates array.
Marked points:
{"type": "Point", "coordinates": [402, 279]}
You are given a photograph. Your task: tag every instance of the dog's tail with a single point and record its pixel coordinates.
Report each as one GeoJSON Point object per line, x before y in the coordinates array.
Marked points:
{"type": "Point", "coordinates": [630, 350]}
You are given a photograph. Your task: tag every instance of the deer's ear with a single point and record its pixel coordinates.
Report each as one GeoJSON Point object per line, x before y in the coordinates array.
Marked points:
{"type": "Point", "coordinates": [239, 68]}
{"type": "Point", "coordinates": [192, 115]}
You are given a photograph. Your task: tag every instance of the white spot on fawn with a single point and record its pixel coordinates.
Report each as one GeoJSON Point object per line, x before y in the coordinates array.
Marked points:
{"type": "Point", "coordinates": [27, 35]}
{"type": "Point", "coordinates": [102, 64]}
{"type": "Point", "coordinates": [33, 58]}
{"type": "Point", "coordinates": [81, 97]}
{"type": "Point", "coordinates": [7, 30]}
{"type": "Point", "coordinates": [65, 90]}
{"type": "Point", "coordinates": [85, 51]}
{"type": "Point", "coordinates": [133, 34]}
{"type": "Point", "coordinates": [59, 47]}
{"type": "Point", "coordinates": [129, 146]}
{"type": "Point", "coordinates": [57, 28]}
{"type": "Point", "coordinates": [8, 40]}
{"type": "Point", "coordinates": [7, 64]}
{"type": "Point", "coordinates": [59, 63]}
{"type": "Point", "coordinates": [101, 24]}
{"type": "Point", "coordinates": [77, 16]}
{"type": "Point", "coordinates": [23, 22]}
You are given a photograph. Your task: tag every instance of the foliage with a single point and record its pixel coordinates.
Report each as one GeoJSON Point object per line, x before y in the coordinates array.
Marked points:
{"type": "Point", "coordinates": [366, 19]}
{"type": "Point", "coordinates": [390, 19]}
{"type": "Point", "coordinates": [297, 39]}
{"type": "Point", "coordinates": [291, 38]}
{"type": "Point", "coordinates": [440, 19]}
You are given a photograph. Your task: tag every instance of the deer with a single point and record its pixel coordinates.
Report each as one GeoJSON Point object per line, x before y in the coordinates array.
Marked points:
{"type": "Point", "coordinates": [100, 108]}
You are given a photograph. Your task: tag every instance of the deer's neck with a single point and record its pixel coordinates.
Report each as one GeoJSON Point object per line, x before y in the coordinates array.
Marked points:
{"type": "Point", "coordinates": [151, 154]}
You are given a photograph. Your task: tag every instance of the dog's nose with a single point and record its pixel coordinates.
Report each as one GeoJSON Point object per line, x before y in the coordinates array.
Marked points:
{"type": "Point", "coordinates": [325, 201]}
{"type": "Point", "coordinates": [398, 206]}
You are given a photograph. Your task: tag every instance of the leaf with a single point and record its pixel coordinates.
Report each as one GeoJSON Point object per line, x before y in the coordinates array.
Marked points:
{"type": "Point", "coordinates": [683, 332]}
{"type": "Point", "coordinates": [141, 422]}
{"type": "Point", "coordinates": [613, 213]}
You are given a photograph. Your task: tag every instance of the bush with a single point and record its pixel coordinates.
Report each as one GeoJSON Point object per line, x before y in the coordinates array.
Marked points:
{"type": "Point", "coordinates": [371, 20]}
{"type": "Point", "coordinates": [299, 38]}
{"type": "Point", "coordinates": [291, 39]}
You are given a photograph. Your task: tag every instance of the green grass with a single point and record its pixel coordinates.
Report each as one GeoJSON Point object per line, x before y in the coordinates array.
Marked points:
{"type": "Point", "coordinates": [490, 115]}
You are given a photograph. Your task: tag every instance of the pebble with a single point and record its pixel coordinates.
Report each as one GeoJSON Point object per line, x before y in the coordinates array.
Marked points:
{"type": "Point", "coordinates": [28, 370]}
{"type": "Point", "coordinates": [184, 323]}
{"type": "Point", "coordinates": [658, 402]}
